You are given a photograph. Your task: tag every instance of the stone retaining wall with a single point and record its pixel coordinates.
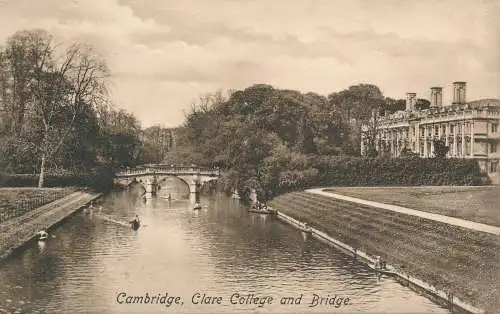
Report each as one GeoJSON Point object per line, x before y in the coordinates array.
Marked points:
{"type": "Point", "coordinates": [20, 230]}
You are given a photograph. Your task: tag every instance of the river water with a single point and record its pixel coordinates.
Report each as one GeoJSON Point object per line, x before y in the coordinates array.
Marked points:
{"type": "Point", "coordinates": [92, 265]}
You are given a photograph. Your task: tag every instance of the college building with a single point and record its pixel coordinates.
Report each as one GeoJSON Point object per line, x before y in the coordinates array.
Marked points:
{"type": "Point", "coordinates": [468, 129]}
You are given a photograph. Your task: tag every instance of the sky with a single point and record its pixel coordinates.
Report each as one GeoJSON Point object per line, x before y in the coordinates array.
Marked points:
{"type": "Point", "coordinates": [163, 54]}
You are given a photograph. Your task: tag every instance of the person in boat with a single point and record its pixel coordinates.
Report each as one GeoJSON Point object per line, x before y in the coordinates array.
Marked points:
{"type": "Point", "coordinates": [383, 264]}
{"type": "Point", "coordinates": [136, 222]}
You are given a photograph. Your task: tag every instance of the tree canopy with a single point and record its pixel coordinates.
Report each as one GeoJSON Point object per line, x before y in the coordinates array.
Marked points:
{"type": "Point", "coordinates": [266, 138]}
{"type": "Point", "coordinates": [55, 111]}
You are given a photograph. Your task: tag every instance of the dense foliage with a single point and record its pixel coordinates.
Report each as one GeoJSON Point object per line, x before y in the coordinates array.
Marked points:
{"type": "Point", "coordinates": [56, 117]}
{"type": "Point", "coordinates": [99, 178]}
{"type": "Point", "coordinates": [281, 140]}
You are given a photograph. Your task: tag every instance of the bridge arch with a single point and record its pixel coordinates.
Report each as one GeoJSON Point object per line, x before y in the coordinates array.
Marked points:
{"type": "Point", "coordinates": [171, 190]}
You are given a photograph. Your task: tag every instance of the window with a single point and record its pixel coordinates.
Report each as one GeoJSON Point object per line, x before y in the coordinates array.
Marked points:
{"type": "Point", "coordinates": [423, 132]}
{"type": "Point", "coordinates": [452, 128]}
{"type": "Point", "coordinates": [494, 127]}
{"type": "Point", "coordinates": [493, 147]}
{"type": "Point", "coordinates": [494, 166]}
{"type": "Point", "coordinates": [436, 130]}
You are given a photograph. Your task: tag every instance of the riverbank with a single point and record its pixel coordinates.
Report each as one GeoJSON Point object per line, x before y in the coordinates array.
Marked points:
{"type": "Point", "coordinates": [449, 258]}
{"type": "Point", "coordinates": [20, 229]}
{"type": "Point", "coordinates": [16, 202]}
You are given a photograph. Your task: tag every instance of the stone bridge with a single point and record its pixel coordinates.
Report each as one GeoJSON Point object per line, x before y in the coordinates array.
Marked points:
{"type": "Point", "coordinates": [151, 176]}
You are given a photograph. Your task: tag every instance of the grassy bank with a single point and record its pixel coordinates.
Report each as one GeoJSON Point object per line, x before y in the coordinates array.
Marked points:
{"type": "Point", "coordinates": [448, 257]}
{"type": "Point", "coordinates": [479, 204]}
{"type": "Point", "coordinates": [15, 202]}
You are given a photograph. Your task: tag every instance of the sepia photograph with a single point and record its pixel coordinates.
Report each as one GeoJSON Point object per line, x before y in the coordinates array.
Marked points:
{"type": "Point", "coordinates": [249, 156]}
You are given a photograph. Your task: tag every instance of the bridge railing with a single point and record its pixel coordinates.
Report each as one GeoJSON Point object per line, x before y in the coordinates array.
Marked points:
{"type": "Point", "coordinates": [169, 170]}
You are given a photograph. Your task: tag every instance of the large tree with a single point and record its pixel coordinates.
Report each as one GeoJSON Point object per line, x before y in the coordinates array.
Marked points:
{"type": "Point", "coordinates": [51, 87]}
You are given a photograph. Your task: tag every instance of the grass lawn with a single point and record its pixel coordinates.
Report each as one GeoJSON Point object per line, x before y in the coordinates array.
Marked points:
{"type": "Point", "coordinates": [15, 202]}
{"type": "Point", "coordinates": [448, 257]}
{"type": "Point", "coordinates": [478, 204]}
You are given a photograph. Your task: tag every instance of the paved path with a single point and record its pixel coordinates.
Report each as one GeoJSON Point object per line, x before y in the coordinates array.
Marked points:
{"type": "Point", "coordinates": [441, 218]}
{"type": "Point", "coordinates": [17, 231]}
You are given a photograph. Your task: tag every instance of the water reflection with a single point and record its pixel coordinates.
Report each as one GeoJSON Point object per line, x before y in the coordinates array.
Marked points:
{"type": "Point", "coordinates": [218, 250]}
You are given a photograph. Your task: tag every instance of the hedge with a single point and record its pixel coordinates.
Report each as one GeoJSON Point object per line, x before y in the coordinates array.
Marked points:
{"type": "Point", "coordinates": [352, 171]}
{"type": "Point", "coordinates": [98, 179]}
{"type": "Point", "coordinates": [356, 171]}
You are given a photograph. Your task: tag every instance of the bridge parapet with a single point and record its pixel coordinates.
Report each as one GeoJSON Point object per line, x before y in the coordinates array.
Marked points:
{"type": "Point", "coordinates": [169, 171]}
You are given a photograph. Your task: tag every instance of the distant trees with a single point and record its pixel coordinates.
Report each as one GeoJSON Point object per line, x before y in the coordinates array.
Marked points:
{"type": "Point", "coordinates": [422, 104]}
{"type": "Point", "coordinates": [157, 142]}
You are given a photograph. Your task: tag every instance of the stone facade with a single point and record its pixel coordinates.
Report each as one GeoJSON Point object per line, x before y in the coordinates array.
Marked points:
{"type": "Point", "coordinates": [469, 129]}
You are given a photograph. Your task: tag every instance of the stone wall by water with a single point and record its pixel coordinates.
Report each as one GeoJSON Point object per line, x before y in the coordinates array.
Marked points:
{"type": "Point", "coordinates": [18, 231]}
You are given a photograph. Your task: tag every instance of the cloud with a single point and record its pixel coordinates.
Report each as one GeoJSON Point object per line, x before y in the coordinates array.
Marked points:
{"type": "Point", "coordinates": [164, 53]}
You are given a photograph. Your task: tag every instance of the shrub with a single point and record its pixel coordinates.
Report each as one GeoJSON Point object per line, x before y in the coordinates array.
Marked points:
{"type": "Point", "coordinates": [99, 179]}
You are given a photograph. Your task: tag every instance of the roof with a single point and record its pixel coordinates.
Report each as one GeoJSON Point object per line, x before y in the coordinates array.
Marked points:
{"type": "Point", "coordinates": [485, 102]}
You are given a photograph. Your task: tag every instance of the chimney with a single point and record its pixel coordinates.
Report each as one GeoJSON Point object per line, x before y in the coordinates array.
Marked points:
{"type": "Point", "coordinates": [436, 96]}
{"type": "Point", "coordinates": [459, 93]}
{"type": "Point", "coordinates": [411, 99]}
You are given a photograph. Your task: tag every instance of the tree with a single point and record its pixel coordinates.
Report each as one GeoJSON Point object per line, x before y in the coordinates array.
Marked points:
{"type": "Point", "coordinates": [370, 135]}
{"type": "Point", "coordinates": [284, 169]}
{"type": "Point", "coordinates": [121, 133]}
{"type": "Point", "coordinates": [55, 88]}
{"type": "Point", "coordinates": [440, 148]}
{"type": "Point", "coordinates": [357, 101]}
{"type": "Point", "coordinates": [355, 106]}
{"type": "Point", "coordinates": [422, 104]}
{"type": "Point", "coordinates": [392, 105]}
{"type": "Point", "coordinates": [157, 141]}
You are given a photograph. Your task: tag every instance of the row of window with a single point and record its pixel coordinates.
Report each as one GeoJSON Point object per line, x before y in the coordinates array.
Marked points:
{"type": "Point", "coordinates": [493, 148]}
{"type": "Point", "coordinates": [493, 128]}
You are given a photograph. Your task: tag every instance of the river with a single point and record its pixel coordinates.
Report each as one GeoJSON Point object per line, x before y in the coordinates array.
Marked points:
{"type": "Point", "coordinates": [91, 265]}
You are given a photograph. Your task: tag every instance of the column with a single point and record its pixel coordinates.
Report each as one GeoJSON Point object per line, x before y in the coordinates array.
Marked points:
{"type": "Point", "coordinates": [433, 132]}
{"type": "Point", "coordinates": [472, 138]}
{"type": "Point", "coordinates": [463, 139]}
{"type": "Point", "coordinates": [455, 142]}
{"type": "Point", "coordinates": [425, 141]}
{"type": "Point", "coordinates": [446, 135]}
{"type": "Point", "coordinates": [417, 139]}
{"type": "Point", "coordinates": [150, 188]}
{"type": "Point", "coordinates": [391, 143]}
{"type": "Point", "coordinates": [398, 141]}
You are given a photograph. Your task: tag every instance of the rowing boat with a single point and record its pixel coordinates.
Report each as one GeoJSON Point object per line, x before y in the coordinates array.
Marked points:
{"type": "Point", "coordinates": [262, 211]}
{"type": "Point", "coordinates": [383, 270]}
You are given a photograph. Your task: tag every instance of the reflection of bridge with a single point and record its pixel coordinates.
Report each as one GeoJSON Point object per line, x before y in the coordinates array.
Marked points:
{"type": "Point", "coordinates": [151, 176]}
